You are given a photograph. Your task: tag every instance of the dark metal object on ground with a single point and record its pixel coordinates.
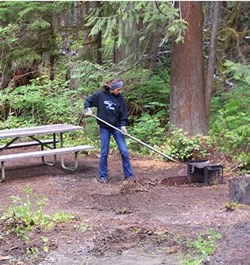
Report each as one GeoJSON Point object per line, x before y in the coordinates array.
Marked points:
{"type": "Point", "coordinates": [175, 181]}
{"type": "Point", "coordinates": [135, 139]}
{"type": "Point", "coordinates": [203, 171]}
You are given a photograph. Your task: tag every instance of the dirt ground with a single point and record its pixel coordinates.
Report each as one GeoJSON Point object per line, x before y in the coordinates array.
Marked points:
{"type": "Point", "coordinates": [143, 223]}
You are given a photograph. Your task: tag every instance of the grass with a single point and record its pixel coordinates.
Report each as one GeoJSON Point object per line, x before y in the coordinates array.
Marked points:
{"type": "Point", "coordinates": [199, 249]}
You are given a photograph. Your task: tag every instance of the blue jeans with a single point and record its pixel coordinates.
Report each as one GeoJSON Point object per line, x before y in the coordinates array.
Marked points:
{"type": "Point", "coordinates": [105, 134]}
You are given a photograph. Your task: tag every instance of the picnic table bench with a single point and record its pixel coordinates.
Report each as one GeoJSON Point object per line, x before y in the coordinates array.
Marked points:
{"type": "Point", "coordinates": [15, 139]}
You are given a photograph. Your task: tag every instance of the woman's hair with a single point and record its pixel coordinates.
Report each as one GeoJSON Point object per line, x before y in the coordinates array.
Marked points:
{"type": "Point", "coordinates": [107, 85]}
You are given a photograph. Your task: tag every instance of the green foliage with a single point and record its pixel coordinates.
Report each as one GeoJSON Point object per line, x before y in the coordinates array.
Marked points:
{"type": "Point", "coordinates": [243, 160]}
{"type": "Point", "coordinates": [90, 76]}
{"type": "Point", "coordinates": [43, 101]}
{"type": "Point", "coordinates": [231, 206]}
{"type": "Point", "coordinates": [201, 248]}
{"type": "Point", "coordinates": [233, 30]}
{"type": "Point", "coordinates": [147, 128]}
{"type": "Point", "coordinates": [8, 40]}
{"type": "Point", "coordinates": [15, 122]}
{"type": "Point", "coordinates": [205, 245]}
{"type": "Point", "coordinates": [147, 93]}
{"type": "Point", "coordinates": [84, 227]}
{"type": "Point", "coordinates": [237, 71]}
{"type": "Point", "coordinates": [61, 217]}
{"type": "Point", "coordinates": [177, 28]}
{"type": "Point", "coordinates": [181, 146]}
{"type": "Point", "coordinates": [27, 213]}
{"type": "Point", "coordinates": [116, 21]}
{"type": "Point", "coordinates": [7, 36]}
{"type": "Point", "coordinates": [27, 32]}
{"type": "Point", "coordinates": [33, 251]}
{"type": "Point", "coordinates": [46, 102]}
{"type": "Point", "coordinates": [229, 124]}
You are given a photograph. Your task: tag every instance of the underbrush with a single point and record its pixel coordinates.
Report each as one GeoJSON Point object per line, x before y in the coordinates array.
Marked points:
{"type": "Point", "coordinates": [229, 123]}
{"type": "Point", "coordinates": [201, 248]}
{"type": "Point", "coordinates": [26, 213]}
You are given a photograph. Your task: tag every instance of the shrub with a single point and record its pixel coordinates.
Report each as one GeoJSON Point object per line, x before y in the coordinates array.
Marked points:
{"type": "Point", "coordinates": [181, 146]}
{"type": "Point", "coordinates": [148, 129]}
{"type": "Point", "coordinates": [147, 93]}
{"type": "Point", "coordinates": [27, 212]}
{"type": "Point", "coordinates": [229, 123]}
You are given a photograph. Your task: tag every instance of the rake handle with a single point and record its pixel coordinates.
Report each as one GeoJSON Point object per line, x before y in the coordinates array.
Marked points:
{"type": "Point", "coordinates": [135, 139]}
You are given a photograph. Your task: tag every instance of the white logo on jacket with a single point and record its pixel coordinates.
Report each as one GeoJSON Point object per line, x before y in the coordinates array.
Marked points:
{"type": "Point", "coordinates": [110, 104]}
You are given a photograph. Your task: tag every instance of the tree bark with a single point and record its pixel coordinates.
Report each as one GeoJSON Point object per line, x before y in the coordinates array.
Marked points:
{"type": "Point", "coordinates": [76, 19]}
{"type": "Point", "coordinates": [187, 96]}
{"type": "Point", "coordinates": [99, 40]}
{"type": "Point", "coordinates": [130, 50]}
{"type": "Point", "coordinates": [215, 20]}
{"type": "Point", "coordinates": [52, 56]}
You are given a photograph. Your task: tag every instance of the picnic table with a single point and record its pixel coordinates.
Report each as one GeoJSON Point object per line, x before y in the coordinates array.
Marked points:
{"type": "Point", "coordinates": [15, 139]}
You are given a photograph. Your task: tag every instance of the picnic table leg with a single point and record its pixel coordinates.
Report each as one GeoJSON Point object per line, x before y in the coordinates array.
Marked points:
{"type": "Point", "coordinates": [75, 162]}
{"type": "Point", "coordinates": [9, 143]}
{"type": "Point", "coordinates": [61, 139]}
{"type": "Point", "coordinates": [54, 146]}
{"type": "Point", "coordinates": [62, 157]}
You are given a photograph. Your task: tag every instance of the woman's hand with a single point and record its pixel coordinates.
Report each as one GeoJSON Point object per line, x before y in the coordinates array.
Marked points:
{"type": "Point", "coordinates": [88, 112]}
{"type": "Point", "coordinates": [124, 130]}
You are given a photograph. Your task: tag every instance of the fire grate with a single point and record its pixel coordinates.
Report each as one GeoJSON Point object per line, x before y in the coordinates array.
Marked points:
{"type": "Point", "coordinates": [202, 171]}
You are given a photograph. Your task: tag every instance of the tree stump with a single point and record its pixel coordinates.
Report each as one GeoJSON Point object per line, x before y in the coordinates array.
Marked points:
{"type": "Point", "coordinates": [239, 190]}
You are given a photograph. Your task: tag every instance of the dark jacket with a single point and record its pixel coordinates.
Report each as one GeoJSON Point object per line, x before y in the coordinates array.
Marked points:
{"type": "Point", "coordinates": [110, 108]}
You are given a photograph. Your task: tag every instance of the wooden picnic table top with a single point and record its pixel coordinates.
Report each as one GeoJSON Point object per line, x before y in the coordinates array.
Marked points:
{"type": "Point", "coordinates": [44, 129]}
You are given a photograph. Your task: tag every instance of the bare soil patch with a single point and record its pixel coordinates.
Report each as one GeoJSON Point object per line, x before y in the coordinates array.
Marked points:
{"type": "Point", "coordinates": [146, 222]}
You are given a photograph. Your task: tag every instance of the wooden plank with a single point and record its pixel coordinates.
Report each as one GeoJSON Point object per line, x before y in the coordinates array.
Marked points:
{"type": "Point", "coordinates": [46, 152]}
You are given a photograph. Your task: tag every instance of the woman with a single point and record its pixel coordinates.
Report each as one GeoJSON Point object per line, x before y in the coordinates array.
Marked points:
{"type": "Point", "coordinates": [111, 107]}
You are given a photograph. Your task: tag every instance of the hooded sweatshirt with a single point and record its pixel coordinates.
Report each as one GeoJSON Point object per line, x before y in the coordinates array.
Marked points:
{"type": "Point", "coordinates": [110, 108]}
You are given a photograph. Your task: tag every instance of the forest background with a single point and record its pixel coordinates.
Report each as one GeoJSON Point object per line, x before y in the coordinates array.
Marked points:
{"type": "Point", "coordinates": [184, 65]}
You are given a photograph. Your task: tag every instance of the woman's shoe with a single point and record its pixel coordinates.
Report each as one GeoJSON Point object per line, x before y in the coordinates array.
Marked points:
{"type": "Point", "coordinates": [102, 180]}
{"type": "Point", "coordinates": [130, 179]}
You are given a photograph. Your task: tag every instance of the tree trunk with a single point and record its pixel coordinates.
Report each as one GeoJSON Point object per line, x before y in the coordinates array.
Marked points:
{"type": "Point", "coordinates": [88, 52]}
{"type": "Point", "coordinates": [76, 20]}
{"type": "Point", "coordinates": [128, 52]}
{"type": "Point", "coordinates": [215, 20]}
{"type": "Point", "coordinates": [53, 48]}
{"type": "Point", "coordinates": [51, 64]}
{"type": "Point", "coordinates": [187, 97]}
{"type": "Point", "coordinates": [99, 39]}
{"type": "Point", "coordinates": [152, 51]}
{"type": "Point", "coordinates": [119, 53]}
{"type": "Point", "coordinates": [62, 23]}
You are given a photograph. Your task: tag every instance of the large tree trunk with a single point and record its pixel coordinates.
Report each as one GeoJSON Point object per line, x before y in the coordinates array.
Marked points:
{"type": "Point", "coordinates": [76, 19]}
{"type": "Point", "coordinates": [99, 39]}
{"type": "Point", "coordinates": [52, 56]}
{"type": "Point", "coordinates": [187, 97]}
{"type": "Point", "coordinates": [215, 21]}
{"type": "Point", "coordinates": [130, 50]}
{"type": "Point", "coordinates": [63, 29]}
{"type": "Point", "coordinates": [152, 51]}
